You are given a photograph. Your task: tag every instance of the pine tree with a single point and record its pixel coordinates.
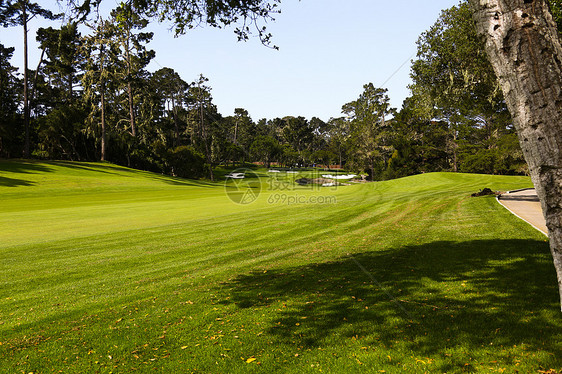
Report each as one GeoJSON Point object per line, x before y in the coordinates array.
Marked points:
{"type": "Point", "coordinates": [20, 13]}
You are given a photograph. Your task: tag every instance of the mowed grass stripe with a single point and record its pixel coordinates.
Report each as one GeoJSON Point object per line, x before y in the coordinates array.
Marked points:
{"type": "Point", "coordinates": [154, 285]}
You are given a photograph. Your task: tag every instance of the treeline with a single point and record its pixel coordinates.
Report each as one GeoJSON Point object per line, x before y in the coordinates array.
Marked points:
{"type": "Point", "coordinates": [91, 98]}
{"type": "Point", "coordinates": [456, 118]}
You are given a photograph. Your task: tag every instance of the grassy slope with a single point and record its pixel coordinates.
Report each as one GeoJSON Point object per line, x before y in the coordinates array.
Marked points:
{"type": "Point", "coordinates": [107, 269]}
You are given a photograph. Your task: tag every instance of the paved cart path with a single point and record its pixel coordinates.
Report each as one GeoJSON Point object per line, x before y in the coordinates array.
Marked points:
{"type": "Point", "coordinates": [526, 205]}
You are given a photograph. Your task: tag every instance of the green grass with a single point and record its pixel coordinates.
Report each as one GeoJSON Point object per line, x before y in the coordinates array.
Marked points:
{"type": "Point", "coordinates": [105, 269]}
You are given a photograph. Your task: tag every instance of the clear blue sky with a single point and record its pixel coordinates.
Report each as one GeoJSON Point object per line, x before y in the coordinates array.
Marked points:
{"type": "Point", "coordinates": [328, 50]}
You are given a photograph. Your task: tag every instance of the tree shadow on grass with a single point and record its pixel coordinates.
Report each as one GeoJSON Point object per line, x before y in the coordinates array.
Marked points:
{"type": "Point", "coordinates": [23, 167]}
{"type": "Point", "coordinates": [108, 168]}
{"type": "Point", "coordinates": [13, 182]}
{"type": "Point", "coordinates": [19, 167]}
{"type": "Point", "coordinates": [431, 298]}
{"type": "Point", "coordinates": [32, 167]}
{"type": "Point", "coordinates": [105, 168]}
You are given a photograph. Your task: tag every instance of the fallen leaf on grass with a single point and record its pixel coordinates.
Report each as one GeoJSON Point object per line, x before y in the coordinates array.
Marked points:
{"type": "Point", "coordinates": [250, 360]}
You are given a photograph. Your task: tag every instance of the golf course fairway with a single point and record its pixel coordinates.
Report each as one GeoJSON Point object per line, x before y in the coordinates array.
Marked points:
{"type": "Point", "coordinates": [105, 269]}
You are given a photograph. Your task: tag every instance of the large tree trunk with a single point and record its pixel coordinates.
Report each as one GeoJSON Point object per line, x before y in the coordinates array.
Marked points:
{"type": "Point", "coordinates": [34, 90]}
{"type": "Point", "coordinates": [26, 147]}
{"type": "Point", "coordinates": [206, 140]}
{"type": "Point", "coordinates": [176, 122]}
{"type": "Point", "coordinates": [70, 80]}
{"type": "Point", "coordinates": [103, 134]}
{"type": "Point", "coordinates": [523, 45]}
{"type": "Point", "coordinates": [455, 148]}
{"type": "Point", "coordinates": [131, 110]}
{"type": "Point", "coordinates": [130, 87]}
{"type": "Point", "coordinates": [340, 151]}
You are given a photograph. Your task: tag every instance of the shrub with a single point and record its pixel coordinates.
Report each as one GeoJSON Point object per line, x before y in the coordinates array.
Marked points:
{"type": "Point", "coordinates": [186, 162]}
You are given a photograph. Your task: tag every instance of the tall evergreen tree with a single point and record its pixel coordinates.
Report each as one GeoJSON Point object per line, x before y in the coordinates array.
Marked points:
{"type": "Point", "coordinates": [9, 87]}
{"type": "Point", "coordinates": [135, 56]}
{"type": "Point", "coordinates": [101, 61]}
{"type": "Point", "coordinates": [299, 135]}
{"type": "Point", "coordinates": [338, 135]}
{"type": "Point", "coordinates": [454, 83]}
{"type": "Point", "coordinates": [367, 116]}
{"type": "Point", "coordinates": [204, 113]}
{"type": "Point", "coordinates": [63, 59]}
{"type": "Point", "coordinates": [171, 89]}
{"type": "Point", "coordinates": [20, 13]}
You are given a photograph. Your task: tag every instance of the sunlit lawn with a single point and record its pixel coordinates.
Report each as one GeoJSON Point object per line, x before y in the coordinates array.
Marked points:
{"type": "Point", "coordinates": [105, 269]}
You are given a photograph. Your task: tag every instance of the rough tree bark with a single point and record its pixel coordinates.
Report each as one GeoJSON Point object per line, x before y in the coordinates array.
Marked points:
{"type": "Point", "coordinates": [524, 48]}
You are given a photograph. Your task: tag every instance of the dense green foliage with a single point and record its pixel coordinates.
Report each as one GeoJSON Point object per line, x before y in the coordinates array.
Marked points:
{"type": "Point", "coordinates": [108, 269]}
{"type": "Point", "coordinates": [10, 126]}
{"type": "Point", "coordinates": [456, 90]}
{"type": "Point", "coordinates": [93, 99]}
{"type": "Point", "coordinates": [186, 14]}
{"type": "Point", "coordinates": [368, 132]}
{"type": "Point", "coordinates": [20, 13]}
